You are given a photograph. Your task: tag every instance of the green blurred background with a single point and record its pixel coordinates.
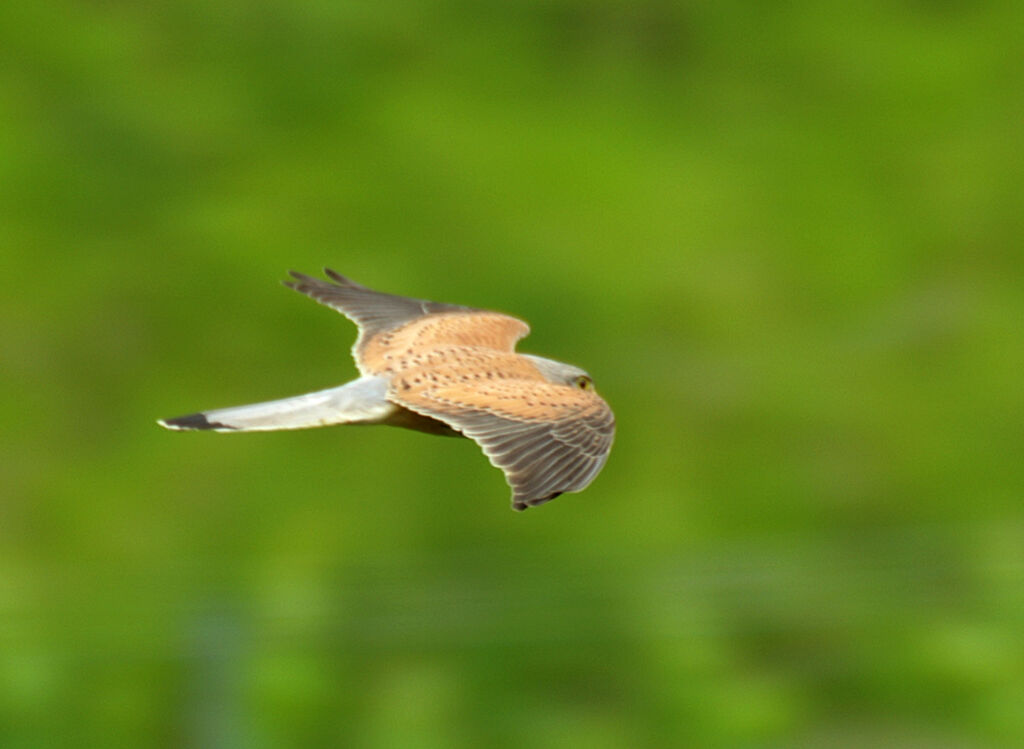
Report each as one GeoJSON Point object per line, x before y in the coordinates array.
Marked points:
{"type": "Point", "coordinates": [785, 239]}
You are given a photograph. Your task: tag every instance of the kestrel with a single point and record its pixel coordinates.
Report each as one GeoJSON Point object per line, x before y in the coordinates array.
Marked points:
{"type": "Point", "coordinates": [448, 370]}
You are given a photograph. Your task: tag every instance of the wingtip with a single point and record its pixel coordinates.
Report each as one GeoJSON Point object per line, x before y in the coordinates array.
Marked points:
{"type": "Point", "coordinates": [332, 274]}
{"type": "Point", "coordinates": [340, 279]}
{"type": "Point", "coordinates": [524, 504]}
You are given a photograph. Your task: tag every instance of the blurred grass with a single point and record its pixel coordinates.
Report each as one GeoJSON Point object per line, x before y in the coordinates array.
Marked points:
{"type": "Point", "coordinates": [785, 240]}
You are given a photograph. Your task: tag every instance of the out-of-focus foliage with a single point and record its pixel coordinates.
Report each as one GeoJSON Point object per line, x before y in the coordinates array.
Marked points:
{"type": "Point", "coordinates": [784, 237]}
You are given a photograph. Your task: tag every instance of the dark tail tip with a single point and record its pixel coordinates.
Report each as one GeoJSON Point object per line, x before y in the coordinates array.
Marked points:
{"type": "Point", "coordinates": [192, 421]}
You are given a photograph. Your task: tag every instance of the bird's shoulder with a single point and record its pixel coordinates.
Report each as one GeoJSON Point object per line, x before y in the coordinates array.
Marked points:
{"type": "Point", "coordinates": [449, 338]}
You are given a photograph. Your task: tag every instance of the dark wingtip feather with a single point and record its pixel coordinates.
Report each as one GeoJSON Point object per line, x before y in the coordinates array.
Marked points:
{"type": "Point", "coordinates": [301, 279]}
{"type": "Point", "coordinates": [303, 283]}
{"type": "Point", "coordinates": [522, 504]}
{"type": "Point", "coordinates": [192, 421]}
{"type": "Point", "coordinates": [343, 280]}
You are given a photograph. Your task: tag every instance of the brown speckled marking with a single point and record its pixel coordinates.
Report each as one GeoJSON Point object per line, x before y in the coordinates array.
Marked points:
{"type": "Point", "coordinates": [427, 339]}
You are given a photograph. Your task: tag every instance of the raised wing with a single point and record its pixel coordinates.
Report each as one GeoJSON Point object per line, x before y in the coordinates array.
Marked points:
{"type": "Point", "coordinates": [547, 438]}
{"type": "Point", "coordinates": [371, 310]}
{"type": "Point", "coordinates": [397, 331]}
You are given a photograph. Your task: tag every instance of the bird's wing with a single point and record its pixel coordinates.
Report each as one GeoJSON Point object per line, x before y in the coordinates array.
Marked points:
{"type": "Point", "coordinates": [547, 438]}
{"type": "Point", "coordinates": [439, 339]}
{"type": "Point", "coordinates": [373, 311]}
{"type": "Point", "coordinates": [393, 327]}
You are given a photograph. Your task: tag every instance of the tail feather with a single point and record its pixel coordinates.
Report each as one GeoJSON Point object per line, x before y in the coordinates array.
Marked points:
{"type": "Point", "coordinates": [359, 402]}
{"type": "Point", "coordinates": [194, 421]}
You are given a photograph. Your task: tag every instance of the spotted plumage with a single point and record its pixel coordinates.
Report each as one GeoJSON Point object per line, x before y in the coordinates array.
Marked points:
{"type": "Point", "coordinates": [452, 370]}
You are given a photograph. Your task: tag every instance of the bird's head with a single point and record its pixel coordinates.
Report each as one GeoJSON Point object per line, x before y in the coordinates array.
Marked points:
{"type": "Point", "coordinates": [559, 373]}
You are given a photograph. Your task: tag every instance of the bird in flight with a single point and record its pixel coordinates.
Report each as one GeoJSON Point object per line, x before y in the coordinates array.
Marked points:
{"type": "Point", "coordinates": [448, 370]}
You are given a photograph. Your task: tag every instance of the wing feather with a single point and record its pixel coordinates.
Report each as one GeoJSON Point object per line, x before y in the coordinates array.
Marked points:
{"type": "Point", "coordinates": [373, 311]}
{"type": "Point", "coordinates": [546, 438]}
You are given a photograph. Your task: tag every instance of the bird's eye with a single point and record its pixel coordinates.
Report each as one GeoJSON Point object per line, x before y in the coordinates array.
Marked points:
{"type": "Point", "coordinates": [584, 383]}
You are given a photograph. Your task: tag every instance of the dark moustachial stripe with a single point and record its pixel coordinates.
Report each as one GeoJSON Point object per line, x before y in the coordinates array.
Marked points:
{"type": "Point", "coordinates": [193, 421]}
